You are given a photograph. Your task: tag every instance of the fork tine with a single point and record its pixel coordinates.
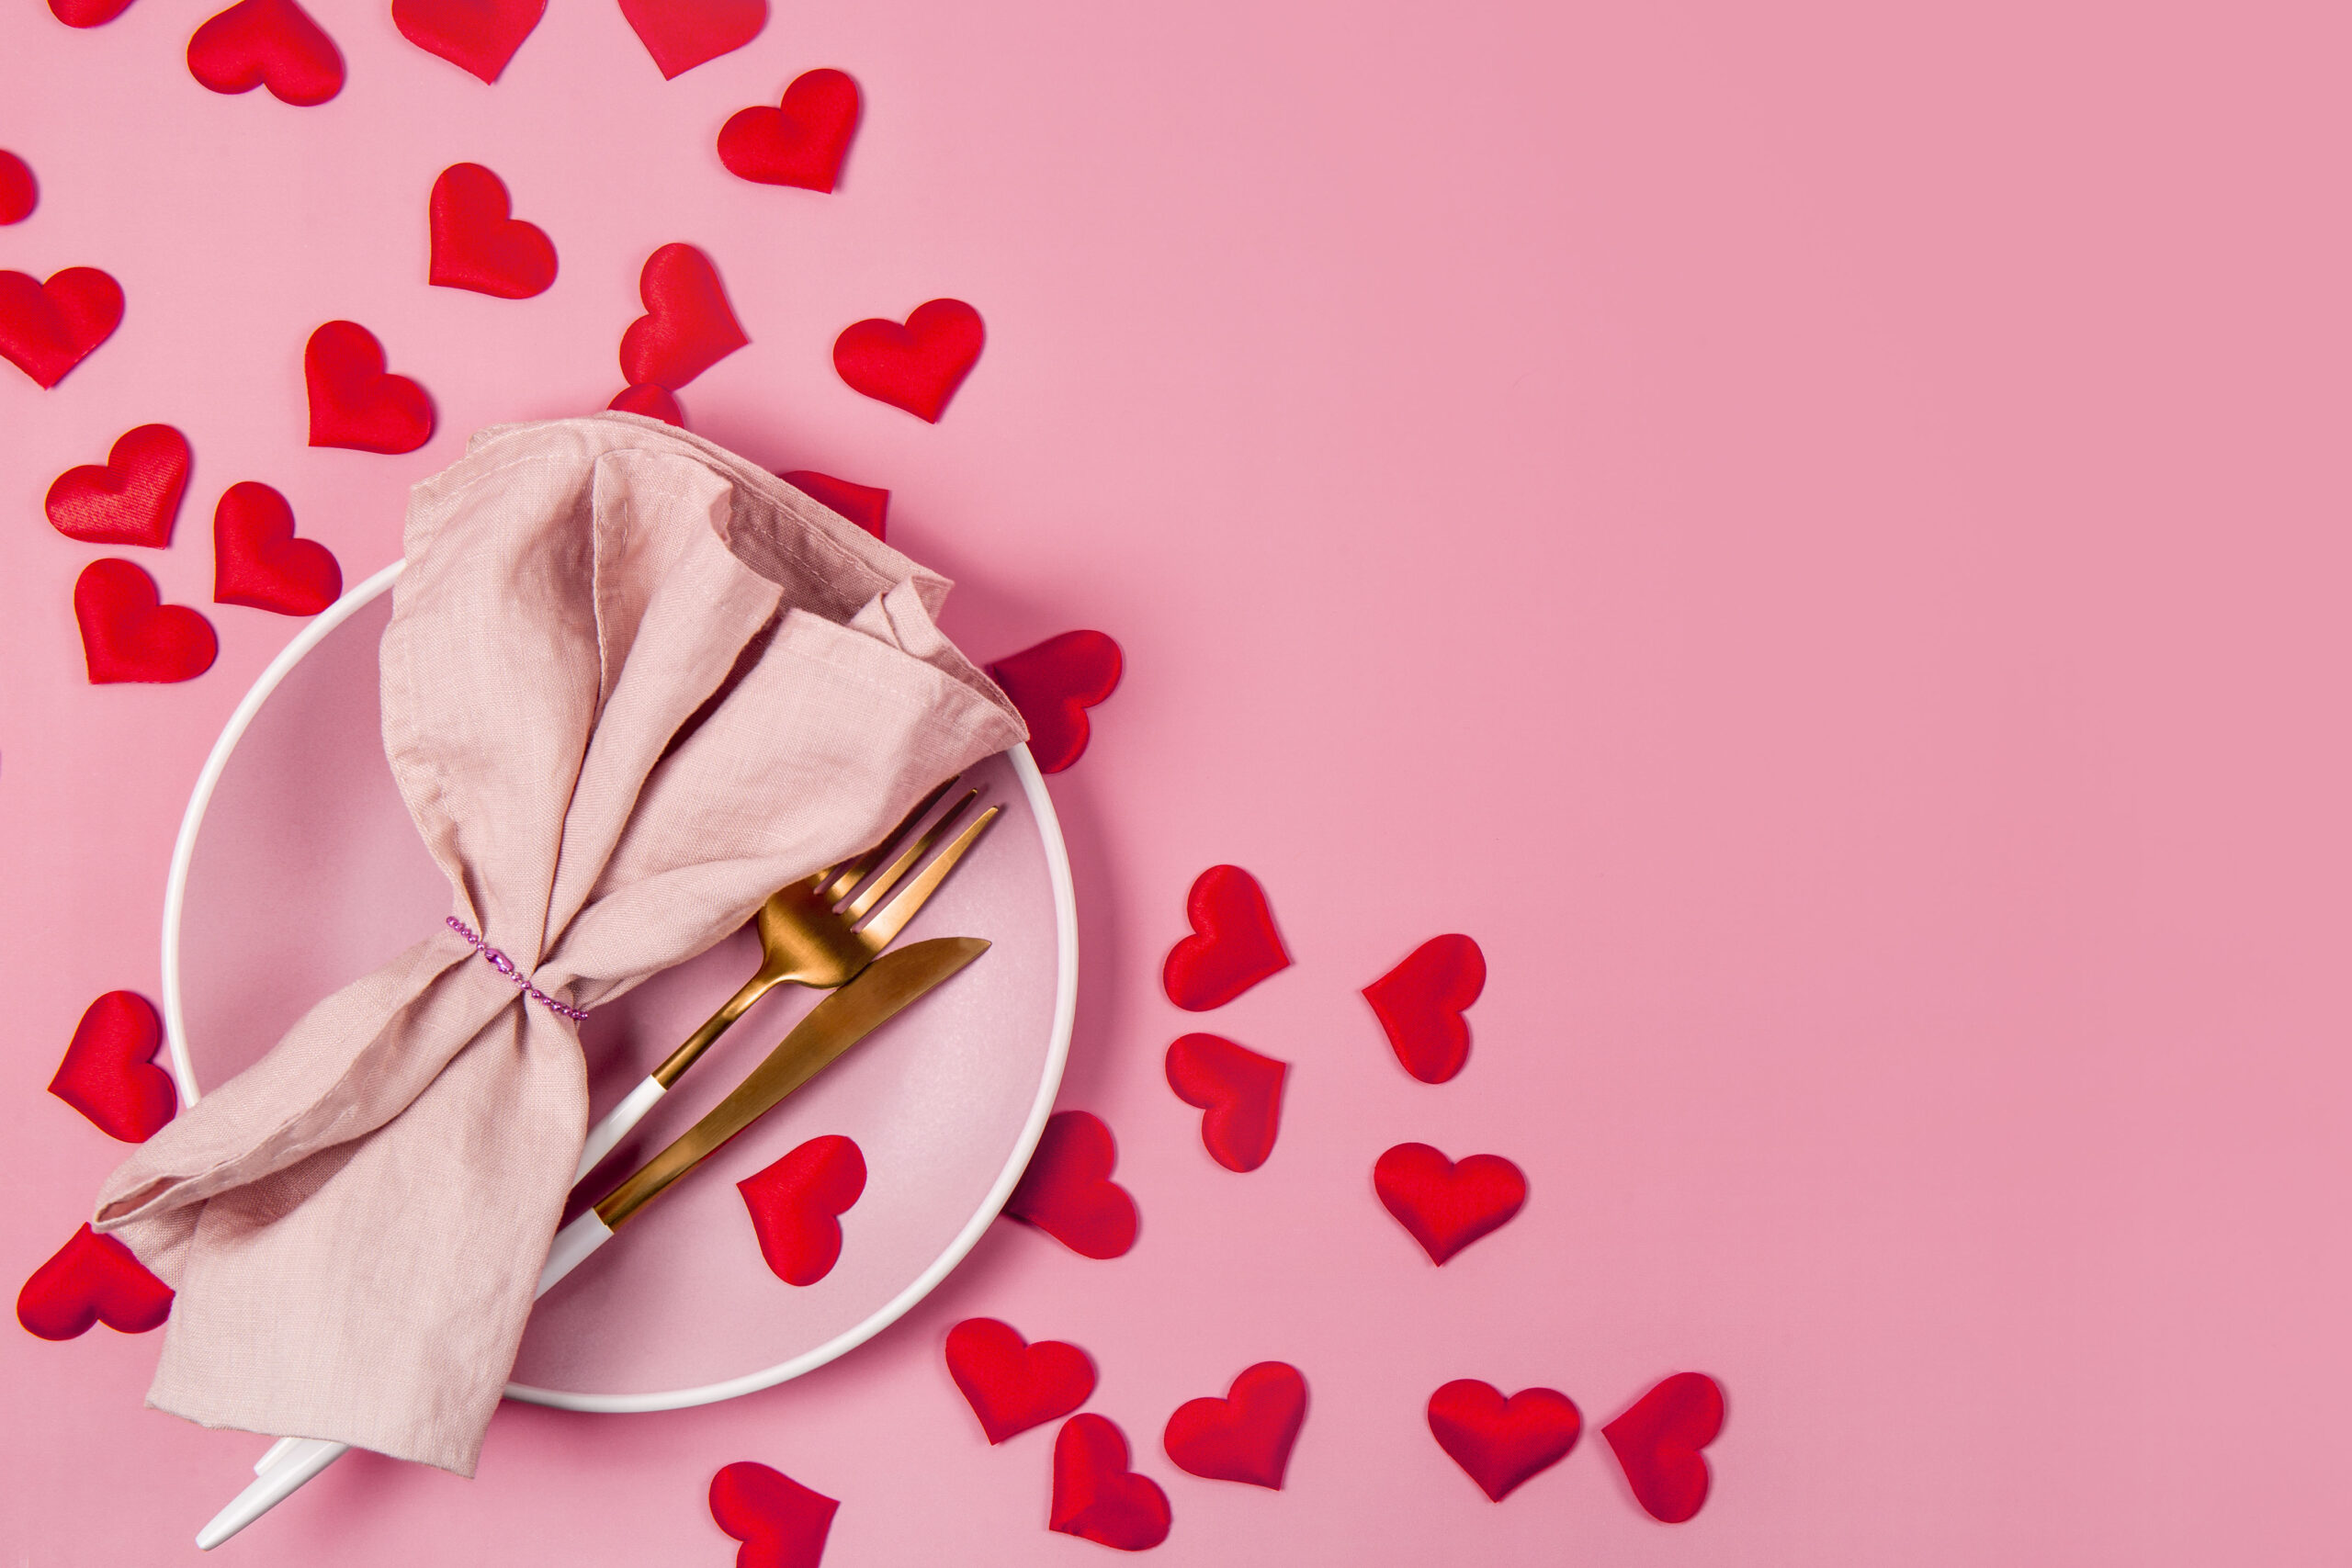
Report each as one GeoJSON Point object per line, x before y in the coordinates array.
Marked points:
{"type": "Point", "coordinates": [833, 884]}
{"type": "Point", "coordinates": [887, 877]}
{"type": "Point", "coordinates": [892, 917]}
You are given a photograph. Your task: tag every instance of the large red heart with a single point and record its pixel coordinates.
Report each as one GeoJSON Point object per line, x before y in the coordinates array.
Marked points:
{"type": "Point", "coordinates": [1233, 946]}
{"type": "Point", "coordinates": [802, 141]}
{"type": "Point", "coordinates": [652, 402]}
{"type": "Point", "coordinates": [682, 34]}
{"type": "Point", "coordinates": [1068, 1191]}
{"type": "Point", "coordinates": [1053, 684]}
{"type": "Point", "coordinates": [797, 1204]}
{"type": "Point", "coordinates": [92, 1279]}
{"type": "Point", "coordinates": [1446, 1206]}
{"type": "Point", "coordinates": [132, 498]}
{"type": "Point", "coordinates": [687, 326]}
{"type": "Point", "coordinates": [1246, 1435]}
{"type": "Point", "coordinates": [19, 192]}
{"type": "Point", "coordinates": [781, 1523]}
{"type": "Point", "coordinates": [129, 634]}
{"type": "Point", "coordinates": [863, 504]}
{"type": "Point", "coordinates": [1011, 1384]}
{"type": "Point", "coordinates": [258, 562]}
{"type": "Point", "coordinates": [1657, 1443]}
{"type": "Point", "coordinates": [354, 402]}
{"type": "Point", "coordinates": [46, 329]}
{"type": "Point", "coordinates": [87, 13]}
{"type": "Point", "coordinates": [268, 43]}
{"type": "Point", "coordinates": [1500, 1442]}
{"type": "Point", "coordinates": [1241, 1091]}
{"type": "Point", "coordinates": [1420, 1002]}
{"type": "Point", "coordinates": [916, 366]}
{"type": "Point", "coordinates": [479, 36]}
{"type": "Point", "coordinates": [477, 244]}
{"type": "Point", "coordinates": [1096, 1496]}
{"type": "Point", "coordinates": [106, 1075]}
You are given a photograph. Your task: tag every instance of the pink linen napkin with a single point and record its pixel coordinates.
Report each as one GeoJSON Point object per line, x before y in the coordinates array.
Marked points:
{"type": "Point", "coordinates": [632, 684]}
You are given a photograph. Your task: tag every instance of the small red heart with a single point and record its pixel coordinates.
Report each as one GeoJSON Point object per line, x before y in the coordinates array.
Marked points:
{"type": "Point", "coordinates": [1443, 1205]}
{"type": "Point", "coordinates": [781, 1523]}
{"type": "Point", "coordinates": [1096, 1496]}
{"type": "Point", "coordinates": [687, 326]}
{"type": "Point", "coordinates": [106, 1075]}
{"type": "Point", "coordinates": [1011, 1384]}
{"type": "Point", "coordinates": [354, 402]}
{"type": "Point", "coordinates": [1421, 1003]}
{"type": "Point", "coordinates": [92, 1279]}
{"type": "Point", "coordinates": [258, 562]}
{"type": "Point", "coordinates": [682, 34]}
{"type": "Point", "coordinates": [917, 367]}
{"type": "Point", "coordinates": [87, 13]}
{"type": "Point", "coordinates": [1068, 1191]}
{"type": "Point", "coordinates": [268, 43]}
{"type": "Point", "coordinates": [1240, 1091]}
{"type": "Point", "coordinates": [477, 244]}
{"type": "Point", "coordinates": [479, 36]}
{"type": "Point", "coordinates": [19, 192]}
{"type": "Point", "coordinates": [863, 504]}
{"type": "Point", "coordinates": [1657, 1443]}
{"type": "Point", "coordinates": [132, 498]}
{"type": "Point", "coordinates": [1233, 946]}
{"type": "Point", "coordinates": [652, 402]}
{"type": "Point", "coordinates": [129, 634]}
{"type": "Point", "coordinates": [801, 143]}
{"type": "Point", "coordinates": [797, 1204]}
{"type": "Point", "coordinates": [1246, 1435]}
{"type": "Point", "coordinates": [1053, 684]}
{"type": "Point", "coordinates": [1501, 1442]}
{"type": "Point", "coordinates": [46, 329]}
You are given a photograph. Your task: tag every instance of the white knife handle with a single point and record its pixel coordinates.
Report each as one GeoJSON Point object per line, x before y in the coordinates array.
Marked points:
{"type": "Point", "coordinates": [573, 1243]}
{"type": "Point", "coordinates": [277, 1451]}
{"type": "Point", "coordinates": [617, 1124]}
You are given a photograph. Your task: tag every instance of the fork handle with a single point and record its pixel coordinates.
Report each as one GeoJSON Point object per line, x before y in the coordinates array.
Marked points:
{"type": "Point", "coordinates": [679, 1060]}
{"type": "Point", "coordinates": [617, 1124]}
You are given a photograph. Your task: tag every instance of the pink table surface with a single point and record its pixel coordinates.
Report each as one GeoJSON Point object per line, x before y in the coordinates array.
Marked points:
{"type": "Point", "coordinates": [1817, 532]}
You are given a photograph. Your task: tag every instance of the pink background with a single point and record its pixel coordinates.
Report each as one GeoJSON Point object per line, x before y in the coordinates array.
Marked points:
{"type": "Point", "coordinates": [1815, 532]}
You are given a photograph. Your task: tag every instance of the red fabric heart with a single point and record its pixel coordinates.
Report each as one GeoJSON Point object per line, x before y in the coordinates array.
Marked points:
{"type": "Point", "coordinates": [801, 143]}
{"type": "Point", "coordinates": [1233, 946]}
{"type": "Point", "coordinates": [687, 326]}
{"type": "Point", "coordinates": [19, 192]}
{"type": "Point", "coordinates": [46, 329]}
{"type": "Point", "coordinates": [863, 504]}
{"type": "Point", "coordinates": [1246, 1435]}
{"type": "Point", "coordinates": [1241, 1091]}
{"type": "Point", "coordinates": [87, 13]}
{"type": "Point", "coordinates": [652, 402]}
{"type": "Point", "coordinates": [917, 367]}
{"type": "Point", "coordinates": [781, 1523]}
{"type": "Point", "coordinates": [129, 634]}
{"type": "Point", "coordinates": [1657, 1443]}
{"type": "Point", "coordinates": [92, 1279]}
{"type": "Point", "coordinates": [258, 562]}
{"type": "Point", "coordinates": [479, 36]}
{"type": "Point", "coordinates": [1421, 1003]}
{"type": "Point", "coordinates": [268, 43]}
{"type": "Point", "coordinates": [1053, 684]}
{"type": "Point", "coordinates": [1068, 1191]}
{"type": "Point", "coordinates": [1012, 1385]}
{"type": "Point", "coordinates": [1096, 1496]}
{"type": "Point", "coordinates": [797, 1204]}
{"type": "Point", "coordinates": [1446, 1206]}
{"type": "Point", "coordinates": [682, 34]}
{"type": "Point", "coordinates": [477, 244]}
{"type": "Point", "coordinates": [106, 1075]}
{"type": "Point", "coordinates": [354, 401]}
{"type": "Point", "coordinates": [132, 498]}
{"type": "Point", "coordinates": [1501, 1442]}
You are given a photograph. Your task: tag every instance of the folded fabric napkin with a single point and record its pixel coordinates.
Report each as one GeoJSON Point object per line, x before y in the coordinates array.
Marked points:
{"type": "Point", "coordinates": [632, 684]}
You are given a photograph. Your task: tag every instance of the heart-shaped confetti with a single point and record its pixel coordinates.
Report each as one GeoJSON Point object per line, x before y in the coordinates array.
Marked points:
{"type": "Point", "coordinates": [1012, 1385]}
{"type": "Point", "coordinates": [916, 366]}
{"type": "Point", "coordinates": [863, 504]}
{"type": "Point", "coordinates": [1239, 1092]}
{"type": "Point", "coordinates": [1096, 1496]}
{"type": "Point", "coordinates": [268, 43]}
{"type": "Point", "coordinates": [132, 498]}
{"type": "Point", "coordinates": [258, 562]}
{"type": "Point", "coordinates": [19, 192]}
{"type": "Point", "coordinates": [1421, 1003]}
{"type": "Point", "coordinates": [1446, 1206]}
{"type": "Point", "coordinates": [106, 1073]}
{"type": "Point", "coordinates": [652, 402]}
{"type": "Point", "coordinates": [479, 36]}
{"type": "Point", "coordinates": [1658, 1441]}
{"type": "Point", "coordinates": [91, 1280]}
{"type": "Point", "coordinates": [87, 13]}
{"type": "Point", "coordinates": [354, 402]}
{"type": "Point", "coordinates": [477, 243]}
{"type": "Point", "coordinates": [46, 329]}
{"type": "Point", "coordinates": [1068, 1191]}
{"type": "Point", "coordinates": [682, 34]}
{"type": "Point", "coordinates": [1053, 684]}
{"type": "Point", "coordinates": [129, 634]}
{"type": "Point", "coordinates": [1247, 1435]}
{"type": "Point", "coordinates": [800, 143]}
{"type": "Point", "coordinates": [781, 1523]}
{"type": "Point", "coordinates": [688, 325]}
{"type": "Point", "coordinates": [1499, 1442]}
{"type": "Point", "coordinates": [797, 1204]}
{"type": "Point", "coordinates": [1233, 946]}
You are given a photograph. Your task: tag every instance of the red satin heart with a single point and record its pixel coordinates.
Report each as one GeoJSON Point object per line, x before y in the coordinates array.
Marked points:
{"type": "Point", "coordinates": [92, 1279]}
{"type": "Point", "coordinates": [781, 1523]}
{"type": "Point", "coordinates": [479, 244]}
{"type": "Point", "coordinates": [258, 562]}
{"type": "Point", "coordinates": [802, 141]}
{"type": "Point", "coordinates": [687, 326]}
{"type": "Point", "coordinates": [917, 367]}
{"type": "Point", "coordinates": [479, 36]}
{"type": "Point", "coordinates": [1233, 946]}
{"type": "Point", "coordinates": [1053, 684]}
{"type": "Point", "coordinates": [863, 504]}
{"type": "Point", "coordinates": [1246, 1435]}
{"type": "Point", "coordinates": [354, 402]}
{"type": "Point", "coordinates": [87, 13]}
{"type": "Point", "coordinates": [268, 43]}
{"type": "Point", "coordinates": [132, 498]}
{"type": "Point", "coordinates": [19, 192]}
{"type": "Point", "coordinates": [129, 634]}
{"type": "Point", "coordinates": [682, 34]}
{"type": "Point", "coordinates": [1658, 1441]}
{"type": "Point", "coordinates": [797, 1204]}
{"type": "Point", "coordinates": [1446, 1206]}
{"type": "Point", "coordinates": [106, 1075]}
{"type": "Point", "coordinates": [46, 329]}
{"type": "Point", "coordinates": [1421, 1003]}
{"type": "Point", "coordinates": [1241, 1091]}
{"type": "Point", "coordinates": [1501, 1442]}
{"type": "Point", "coordinates": [1068, 1191]}
{"type": "Point", "coordinates": [652, 402]}
{"type": "Point", "coordinates": [1012, 1385]}
{"type": "Point", "coordinates": [1096, 1496]}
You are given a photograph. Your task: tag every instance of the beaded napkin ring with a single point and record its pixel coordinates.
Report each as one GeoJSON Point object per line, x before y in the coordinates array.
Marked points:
{"type": "Point", "coordinates": [506, 966]}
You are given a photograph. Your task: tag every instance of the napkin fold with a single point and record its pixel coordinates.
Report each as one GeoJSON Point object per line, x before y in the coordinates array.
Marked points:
{"type": "Point", "coordinates": [632, 684]}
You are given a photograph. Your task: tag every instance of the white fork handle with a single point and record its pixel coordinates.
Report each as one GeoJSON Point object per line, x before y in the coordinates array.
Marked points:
{"type": "Point", "coordinates": [617, 1123]}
